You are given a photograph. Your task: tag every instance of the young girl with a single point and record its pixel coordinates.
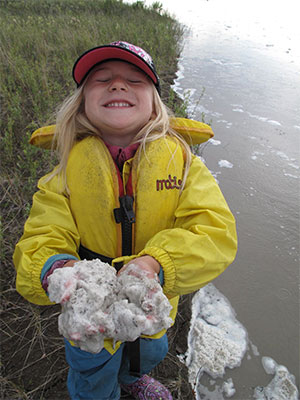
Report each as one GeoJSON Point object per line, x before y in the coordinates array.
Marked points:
{"type": "Point", "coordinates": [127, 188]}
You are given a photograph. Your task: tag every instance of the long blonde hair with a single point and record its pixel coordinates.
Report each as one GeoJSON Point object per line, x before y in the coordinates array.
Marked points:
{"type": "Point", "coordinates": [72, 125]}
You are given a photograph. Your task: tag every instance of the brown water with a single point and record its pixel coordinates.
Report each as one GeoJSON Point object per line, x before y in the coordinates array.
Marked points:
{"type": "Point", "coordinates": [252, 97]}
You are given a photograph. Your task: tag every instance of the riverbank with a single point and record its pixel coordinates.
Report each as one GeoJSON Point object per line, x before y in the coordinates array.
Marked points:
{"type": "Point", "coordinates": [39, 43]}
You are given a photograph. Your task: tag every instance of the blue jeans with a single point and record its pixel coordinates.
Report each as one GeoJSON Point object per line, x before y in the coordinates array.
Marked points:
{"type": "Point", "coordinates": [97, 376]}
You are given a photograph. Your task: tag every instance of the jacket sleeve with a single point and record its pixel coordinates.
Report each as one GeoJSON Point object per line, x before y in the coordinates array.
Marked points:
{"type": "Point", "coordinates": [50, 230]}
{"type": "Point", "coordinates": [203, 241]}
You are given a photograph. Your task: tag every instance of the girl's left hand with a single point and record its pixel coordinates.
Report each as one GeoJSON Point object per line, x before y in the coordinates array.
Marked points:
{"type": "Point", "coordinates": [145, 263]}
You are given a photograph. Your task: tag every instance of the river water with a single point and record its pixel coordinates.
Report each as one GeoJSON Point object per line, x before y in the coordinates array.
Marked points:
{"type": "Point", "coordinates": [240, 69]}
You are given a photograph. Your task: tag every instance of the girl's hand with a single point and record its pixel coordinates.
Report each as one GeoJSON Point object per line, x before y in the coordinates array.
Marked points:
{"type": "Point", "coordinates": [70, 263]}
{"type": "Point", "coordinates": [147, 264]}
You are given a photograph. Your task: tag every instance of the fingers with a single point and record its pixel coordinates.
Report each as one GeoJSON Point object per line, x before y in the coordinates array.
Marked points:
{"type": "Point", "coordinates": [70, 263]}
{"type": "Point", "coordinates": [146, 264]}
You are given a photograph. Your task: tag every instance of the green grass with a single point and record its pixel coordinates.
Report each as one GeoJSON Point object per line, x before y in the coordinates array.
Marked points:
{"type": "Point", "coordinates": [39, 42]}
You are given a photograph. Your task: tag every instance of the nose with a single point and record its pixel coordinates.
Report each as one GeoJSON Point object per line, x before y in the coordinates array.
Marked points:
{"type": "Point", "coordinates": [118, 83]}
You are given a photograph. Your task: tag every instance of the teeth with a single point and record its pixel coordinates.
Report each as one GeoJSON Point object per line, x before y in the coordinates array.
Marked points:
{"type": "Point", "coordinates": [118, 105]}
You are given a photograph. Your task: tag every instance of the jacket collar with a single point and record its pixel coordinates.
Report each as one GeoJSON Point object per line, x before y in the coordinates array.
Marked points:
{"type": "Point", "coordinates": [193, 132]}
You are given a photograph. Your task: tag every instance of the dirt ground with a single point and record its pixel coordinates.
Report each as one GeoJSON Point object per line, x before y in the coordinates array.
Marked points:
{"type": "Point", "coordinates": [32, 352]}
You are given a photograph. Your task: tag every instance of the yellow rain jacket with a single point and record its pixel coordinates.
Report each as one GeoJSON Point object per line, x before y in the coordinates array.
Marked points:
{"type": "Point", "coordinates": [190, 233]}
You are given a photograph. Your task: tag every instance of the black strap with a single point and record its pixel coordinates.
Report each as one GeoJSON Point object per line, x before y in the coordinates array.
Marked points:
{"type": "Point", "coordinates": [87, 254]}
{"type": "Point", "coordinates": [134, 357]}
{"type": "Point", "coordinates": [125, 216]}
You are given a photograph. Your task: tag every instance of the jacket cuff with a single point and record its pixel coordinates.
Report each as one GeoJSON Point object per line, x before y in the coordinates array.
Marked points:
{"type": "Point", "coordinates": [161, 276]}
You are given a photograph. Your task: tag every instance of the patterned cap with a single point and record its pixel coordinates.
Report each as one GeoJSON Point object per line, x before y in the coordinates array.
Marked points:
{"type": "Point", "coordinates": [115, 51]}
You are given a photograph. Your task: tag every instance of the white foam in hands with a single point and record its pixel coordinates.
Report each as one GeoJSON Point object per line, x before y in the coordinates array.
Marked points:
{"type": "Point", "coordinates": [98, 304]}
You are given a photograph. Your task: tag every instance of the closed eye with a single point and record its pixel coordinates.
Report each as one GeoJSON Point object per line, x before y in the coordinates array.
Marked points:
{"type": "Point", "coordinates": [134, 81]}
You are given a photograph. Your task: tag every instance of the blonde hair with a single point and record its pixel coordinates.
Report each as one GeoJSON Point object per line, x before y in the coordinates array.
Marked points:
{"type": "Point", "coordinates": [72, 125]}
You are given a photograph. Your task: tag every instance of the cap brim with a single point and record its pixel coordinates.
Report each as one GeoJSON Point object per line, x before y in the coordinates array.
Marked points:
{"type": "Point", "coordinates": [92, 57]}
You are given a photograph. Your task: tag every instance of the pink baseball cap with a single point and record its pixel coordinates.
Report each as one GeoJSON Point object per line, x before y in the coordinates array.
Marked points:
{"type": "Point", "coordinates": [115, 51]}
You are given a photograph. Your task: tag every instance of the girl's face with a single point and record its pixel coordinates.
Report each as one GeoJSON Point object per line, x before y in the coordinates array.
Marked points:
{"type": "Point", "coordinates": [118, 100]}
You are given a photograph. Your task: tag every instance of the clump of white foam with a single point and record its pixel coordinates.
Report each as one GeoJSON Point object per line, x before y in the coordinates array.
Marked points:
{"type": "Point", "coordinates": [228, 388]}
{"type": "Point", "coordinates": [282, 386]}
{"type": "Point", "coordinates": [98, 304]}
{"type": "Point", "coordinates": [225, 164]}
{"type": "Point", "coordinates": [216, 339]}
{"type": "Point", "coordinates": [214, 142]}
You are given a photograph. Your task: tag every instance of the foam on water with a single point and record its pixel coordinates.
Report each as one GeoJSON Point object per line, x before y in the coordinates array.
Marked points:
{"type": "Point", "coordinates": [225, 164]}
{"type": "Point", "coordinates": [214, 142]}
{"type": "Point", "coordinates": [257, 153]}
{"type": "Point", "coordinates": [216, 339]}
{"type": "Point", "coordinates": [268, 149]}
{"type": "Point", "coordinates": [282, 386]}
{"type": "Point", "coordinates": [227, 389]}
{"type": "Point", "coordinates": [240, 109]}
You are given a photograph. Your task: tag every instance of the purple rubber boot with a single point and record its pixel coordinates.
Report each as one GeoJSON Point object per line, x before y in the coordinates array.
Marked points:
{"type": "Point", "coordinates": [147, 388]}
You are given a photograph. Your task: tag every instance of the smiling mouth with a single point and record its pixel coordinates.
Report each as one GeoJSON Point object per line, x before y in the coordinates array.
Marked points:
{"type": "Point", "coordinates": [118, 104]}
